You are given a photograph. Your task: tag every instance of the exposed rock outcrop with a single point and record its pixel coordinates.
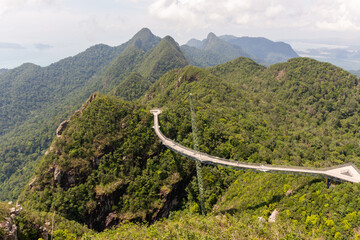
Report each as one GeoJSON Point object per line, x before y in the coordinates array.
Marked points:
{"type": "Point", "coordinates": [57, 174]}
{"type": "Point", "coordinates": [274, 216]}
{"type": "Point", "coordinates": [8, 227]}
{"type": "Point", "coordinates": [90, 99]}
{"type": "Point", "coordinates": [289, 192]}
{"type": "Point", "coordinates": [61, 128]}
{"type": "Point", "coordinates": [31, 183]}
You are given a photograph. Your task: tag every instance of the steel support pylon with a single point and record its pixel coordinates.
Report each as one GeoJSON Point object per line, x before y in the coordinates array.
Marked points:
{"type": "Point", "coordinates": [198, 164]}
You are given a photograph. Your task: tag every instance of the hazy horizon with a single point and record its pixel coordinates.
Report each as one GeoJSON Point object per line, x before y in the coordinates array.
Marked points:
{"type": "Point", "coordinates": [45, 31]}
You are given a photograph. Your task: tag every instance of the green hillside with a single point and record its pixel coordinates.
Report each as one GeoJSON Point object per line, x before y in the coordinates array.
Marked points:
{"type": "Point", "coordinates": [108, 162]}
{"type": "Point", "coordinates": [133, 87]}
{"type": "Point", "coordinates": [35, 100]}
{"type": "Point", "coordinates": [148, 66]}
{"type": "Point", "coordinates": [108, 166]}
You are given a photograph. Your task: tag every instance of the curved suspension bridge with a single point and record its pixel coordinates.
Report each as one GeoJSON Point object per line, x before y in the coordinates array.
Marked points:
{"type": "Point", "coordinates": [347, 172]}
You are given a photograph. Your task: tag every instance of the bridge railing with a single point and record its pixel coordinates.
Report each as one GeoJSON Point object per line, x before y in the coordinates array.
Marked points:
{"type": "Point", "coordinates": [290, 168]}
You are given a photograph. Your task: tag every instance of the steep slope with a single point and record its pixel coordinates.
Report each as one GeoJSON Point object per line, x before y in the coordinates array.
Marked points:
{"type": "Point", "coordinates": [29, 88]}
{"type": "Point", "coordinates": [12, 100]}
{"type": "Point", "coordinates": [148, 66]}
{"type": "Point", "coordinates": [133, 87]}
{"type": "Point", "coordinates": [134, 54]}
{"type": "Point", "coordinates": [34, 101]}
{"type": "Point", "coordinates": [32, 96]}
{"type": "Point", "coordinates": [267, 51]}
{"type": "Point", "coordinates": [107, 167]}
{"type": "Point", "coordinates": [166, 56]}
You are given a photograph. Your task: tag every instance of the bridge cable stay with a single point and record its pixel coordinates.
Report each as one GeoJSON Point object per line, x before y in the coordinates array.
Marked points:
{"type": "Point", "coordinates": [198, 163]}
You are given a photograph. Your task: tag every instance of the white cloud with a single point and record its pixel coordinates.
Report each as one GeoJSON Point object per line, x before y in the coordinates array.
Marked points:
{"type": "Point", "coordinates": [339, 15]}
{"type": "Point", "coordinates": [201, 12]}
{"type": "Point", "coordinates": [9, 5]}
{"type": "Point", "coordinates": [274, 11]}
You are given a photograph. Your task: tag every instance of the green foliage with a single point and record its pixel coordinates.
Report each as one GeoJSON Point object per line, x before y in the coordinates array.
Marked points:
{"type": "Point", "coordinates": [4, 210]}
{"type": "Point", "coordinates": [31, 224]}
{"type": "Point", "coordinates": [244, 209]}
{"type": "Point", "coordinates": [302, 112]}
{"type": "Point", "coordinates": [135, 70]}
{"type": "Point", "coordinates": [108, 152]}
{"type": "Point", "coordinates": [184, 225]}
{"type": "Point", "coordinates": [35, 100]}
{"type": "Point", "coordinates": [281, 115]}
{"type": "Point", "coordinates": [133, 87]}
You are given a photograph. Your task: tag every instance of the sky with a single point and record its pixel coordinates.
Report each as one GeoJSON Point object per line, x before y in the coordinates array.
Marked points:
{"type": "Point", "coordinates": [45, 31]}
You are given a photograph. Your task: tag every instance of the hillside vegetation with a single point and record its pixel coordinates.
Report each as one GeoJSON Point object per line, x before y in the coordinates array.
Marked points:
{"type": "Point", "coordinates": [35, 100]}
{"type": "Point", "coordinates": [108, 167]}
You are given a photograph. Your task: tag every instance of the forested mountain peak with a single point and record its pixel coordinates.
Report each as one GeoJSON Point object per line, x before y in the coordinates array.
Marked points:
{"type": "Point", "coordinates": [171, 41]}
{"type": "Point", "coordinates": [145, 40]}
{"type": "Point", "coordinates": [163, 55]}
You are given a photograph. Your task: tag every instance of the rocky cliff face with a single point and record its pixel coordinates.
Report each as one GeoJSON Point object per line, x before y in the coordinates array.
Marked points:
{"type": "Point", "coordinates": [8, 226]}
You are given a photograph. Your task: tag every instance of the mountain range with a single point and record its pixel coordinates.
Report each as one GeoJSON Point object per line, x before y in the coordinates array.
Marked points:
{"type": "Point", "coordinates": [216, 50]}
{"type": "Point", "coordinates": [77, 144]}
{"type": "Point", "coordinates": [32, 96]}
